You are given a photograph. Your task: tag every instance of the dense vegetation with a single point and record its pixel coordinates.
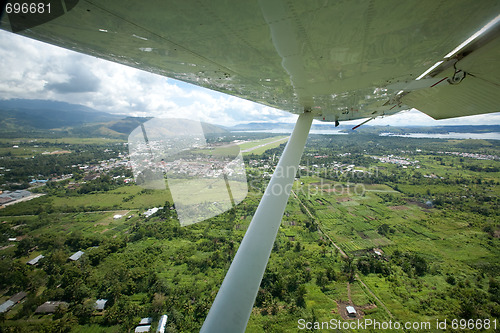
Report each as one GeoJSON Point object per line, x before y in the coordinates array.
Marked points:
{"type": "Point", "coordinates": [434, 224]}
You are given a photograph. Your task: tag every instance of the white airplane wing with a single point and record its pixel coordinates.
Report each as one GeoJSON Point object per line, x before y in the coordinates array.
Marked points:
{"type": "Point", "coordinates": [339, 59]}
{"type": "Point", "coordinates": [331, 60]}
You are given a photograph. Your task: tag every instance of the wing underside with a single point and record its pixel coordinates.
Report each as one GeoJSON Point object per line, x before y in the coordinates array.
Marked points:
{"type": "Point", "coordinates": [339, 59]}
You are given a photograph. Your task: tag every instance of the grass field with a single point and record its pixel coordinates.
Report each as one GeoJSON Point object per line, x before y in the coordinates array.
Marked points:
{"type": "Point", "coordinates": [126, 197]}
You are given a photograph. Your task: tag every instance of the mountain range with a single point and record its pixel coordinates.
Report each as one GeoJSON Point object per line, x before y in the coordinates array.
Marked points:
{"type": "Point", "coordinates": [35, 118]}
{"type": "Point", "coordinates": [39, 118]}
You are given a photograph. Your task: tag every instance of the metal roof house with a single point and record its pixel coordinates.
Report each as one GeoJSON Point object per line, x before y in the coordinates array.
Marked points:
{"type": "Point", "coordinates": [146, 321]}
{"type": "Point", "coordinates": [162, 323]}
{"type": "Point", "coordinates": [150, 211]}
{"type": "Point", "coordinates": [18, 297]}
{"type": "Point", "coordinates": [12, 301]}
{"type": "Point", "coordinates": [4, 307]}
{"type": "Point", "coordinates": [35, 261]}
{"type": "Point", "coordinates": [351, 311]}
{"type": "Point", "coordinates": [50, 307]}
{"type": "Point", "coordinates": [144, 325]}
{"type": "Point", "coordinates": [140, 329]}
{"type": "Point", "coordinates": [100, 304]}
{"type": "Point", "coordinates": [76, 255]}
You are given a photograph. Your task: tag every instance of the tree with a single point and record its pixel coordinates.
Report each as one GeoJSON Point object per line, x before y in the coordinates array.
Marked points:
{"type": "Point", "coordinates": [300, 298]}
{"type": "Point", "coordinates": [420, 265]}
{"type": "Point", "coordinates": [321, 280]}
{"type": "Point", "coordinates": [349, 269]}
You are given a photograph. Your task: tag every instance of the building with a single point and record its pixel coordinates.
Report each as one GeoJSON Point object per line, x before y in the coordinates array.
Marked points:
{"type": "Point", "coordinates": [144, 325]}
{"type": "Point", "coordinates": [9, 196]}
{"type": "Point", "coordinates": [351, 311]}
{"type": "Point", "coordinates": [38, 181]}
{"type": "Point", "coordinates": [35, 261]}
{"type": "Point", "coordinates": [150, 211]}
{"type": "Point", "coordinates": [146, 321]}
{"type": "Point", "coordinates": [76, 255]}
{"type": "Point", "coordinates": [5, 199]}
{"type": "Point", "coordinates": [18, 297]}
{"type": "Point", "coordinates": [12, 301]}
{"type": "Point", "coordinates": [100, 304]}
{"type": "Point", "coordinates": [50, 307]}
{"type": "Point", "coordinates": [162, 324]}
{"type": "Point", "coordinates": [4, 307]}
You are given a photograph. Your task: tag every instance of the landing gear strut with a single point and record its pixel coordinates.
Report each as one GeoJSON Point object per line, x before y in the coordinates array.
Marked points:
{"type": "Point", "coordinates": [234, 301]}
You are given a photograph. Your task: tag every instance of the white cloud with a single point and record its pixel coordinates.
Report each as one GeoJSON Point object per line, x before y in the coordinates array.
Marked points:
{"type": "Point", "coordinates": [35, 70]}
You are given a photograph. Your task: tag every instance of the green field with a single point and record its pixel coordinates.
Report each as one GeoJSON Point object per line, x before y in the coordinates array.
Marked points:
{"type": "Point", "coordinates": [438, 237]}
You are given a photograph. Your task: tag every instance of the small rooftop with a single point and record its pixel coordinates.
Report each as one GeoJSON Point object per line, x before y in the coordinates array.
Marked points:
{"type": "Point", "coordinates": [162, 323]}
{"type": "Point", "coordinates": [76, 255]}
{"type": "Point", "coordinates": [50, 307]}
{"type": "Point", "coordinates": [150, 211]}
{"type": "Point", "coordinates": [146, 321]}
{"type": "Point", "coordinates": [350, 310]}
{"type": "Point", "coordinates": [35, 260]}
{"type": "Point", "coordinates": [4, 307]}
{"type": "Point", "coordinates": [19, 296]}
{"type": "Point", "coordinates": [100, 304]}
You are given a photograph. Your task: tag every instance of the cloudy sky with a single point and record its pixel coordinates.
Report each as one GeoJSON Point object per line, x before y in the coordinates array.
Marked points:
{"type": "Point", "coordinates": [34, 70]}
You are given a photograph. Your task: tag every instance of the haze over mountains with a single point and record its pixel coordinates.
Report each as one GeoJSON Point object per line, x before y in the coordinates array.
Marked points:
{"type": "Point", "coordinates": [27, 118]}
{"type": "Point", "coordinates": [49, 114]}
{"type": "Point", "coordinates": [34, 116]}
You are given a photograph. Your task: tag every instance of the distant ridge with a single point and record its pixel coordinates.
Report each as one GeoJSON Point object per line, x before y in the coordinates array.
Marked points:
{"type": "Point", "coordinates": [39, 114]}
{"type": "Point", "coordinates": [35, 118]}
{"type": "Point", "coordinates": [32, 118]}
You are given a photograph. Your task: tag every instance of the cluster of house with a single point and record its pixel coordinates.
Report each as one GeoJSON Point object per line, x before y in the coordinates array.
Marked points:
{"type": "Point", "coordinates": [74, 257]}
{"type": "Point", "coordinates": [9, 196]}
{"type": "Point", "coordinates": [471, 155]}
{"type": "Point", "coordinates": [405, 162]}
{"type": "Point", "coordinates": [52, 306]}
{"type": "Point", "coordinates": [107, 165]}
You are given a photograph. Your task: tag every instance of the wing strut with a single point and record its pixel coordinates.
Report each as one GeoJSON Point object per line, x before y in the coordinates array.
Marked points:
{"type": "Point", "coordinates": [234, 301]}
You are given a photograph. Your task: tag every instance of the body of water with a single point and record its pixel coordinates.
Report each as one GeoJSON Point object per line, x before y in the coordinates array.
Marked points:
{"type": "Point", "coordinates": [451, 135]}
{"type": "Point", "coordinates": [289, 131]}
